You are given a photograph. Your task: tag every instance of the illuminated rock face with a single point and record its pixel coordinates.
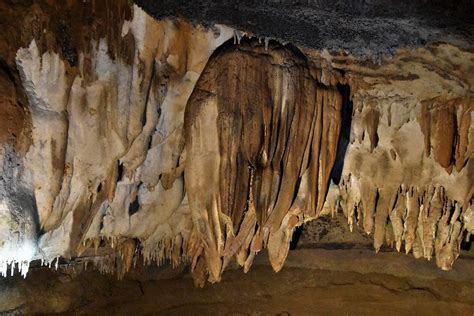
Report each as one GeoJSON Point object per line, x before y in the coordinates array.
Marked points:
{"type": "Point", "coordinates": [164, 140]}
{"type": "Point", "coordinates": [261, 137]}
{"type": "Point", "coordinates": [410, 197]}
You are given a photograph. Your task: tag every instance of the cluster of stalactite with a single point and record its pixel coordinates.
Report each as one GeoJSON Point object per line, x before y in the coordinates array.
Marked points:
{"type": "Point", "coordinates": [415, 187]}
{"type": "Point", "coordinates": [261, 139]}
{"type": "Point", "coordinates": [105, 137]}
{"type": "Point", "coordinates": [424, 220]}
{"type": "Point", "coordinates": [446, 131]}
{"type": "Point", "coordinates": [135, 147]}
{"type": "Point", "coordinates": [144, 141]}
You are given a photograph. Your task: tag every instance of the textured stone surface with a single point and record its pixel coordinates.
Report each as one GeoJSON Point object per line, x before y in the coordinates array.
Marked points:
{"type": "Point", "coordinates": [313, 282]}
{"type": "Point", "coordinates": [362, 28]}
{"type": "Point", "coordinates": [144, 139]}
{"type": "Point", "coordinates": [332, 233]}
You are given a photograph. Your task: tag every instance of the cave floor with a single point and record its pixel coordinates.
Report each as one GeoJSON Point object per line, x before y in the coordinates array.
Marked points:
{"type": "Point", "coordinates": [364, 283]}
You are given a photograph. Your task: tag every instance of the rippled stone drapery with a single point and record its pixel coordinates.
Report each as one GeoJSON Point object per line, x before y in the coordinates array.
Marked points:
{"type": "Point", "coordinates": [261, 139]}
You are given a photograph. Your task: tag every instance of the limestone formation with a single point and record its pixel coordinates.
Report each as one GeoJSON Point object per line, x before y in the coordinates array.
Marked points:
{"type": "Point", "coordinates": [133, 140]}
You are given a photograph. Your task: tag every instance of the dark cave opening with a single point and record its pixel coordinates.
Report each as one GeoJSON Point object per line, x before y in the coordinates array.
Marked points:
{"type": "Point", "coordinates": [344, 138]}
{"type": "Point", "coordinates": [336, 172]}
{"type": "Point", "coordinates": [134, 206]}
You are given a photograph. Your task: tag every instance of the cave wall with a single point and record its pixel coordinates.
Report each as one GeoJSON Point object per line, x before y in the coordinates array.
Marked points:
{"type": "Point", "coordinates": [129, 138]}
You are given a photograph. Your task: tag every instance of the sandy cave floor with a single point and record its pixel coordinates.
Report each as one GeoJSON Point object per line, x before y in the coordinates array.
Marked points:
{"type": "Point", "coordinates": [311, 283]}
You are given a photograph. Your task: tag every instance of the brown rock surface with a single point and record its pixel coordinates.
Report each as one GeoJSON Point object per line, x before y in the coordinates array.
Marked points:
{"type": "Point", "coordinates": [314, 282]}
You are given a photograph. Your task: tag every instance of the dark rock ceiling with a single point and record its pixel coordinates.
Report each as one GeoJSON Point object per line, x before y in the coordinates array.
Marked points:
{"type": "Point", "coordinates": [362, 27]}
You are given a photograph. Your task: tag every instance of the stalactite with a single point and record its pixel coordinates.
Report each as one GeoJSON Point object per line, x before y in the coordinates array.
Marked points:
{"type": "Point", "coordinates": [446, 125]}
{"type": "Point", "coordinates": [448, 237]}
{"type": "Point", "coordinates": [464, 142]}
{"type": "Point", "coordinates": [126, 249]}
{"type": "Point", "coordinates": [411, 219]}
{"type": "Point", "coordinates": [384, 205]}
{"type": "Point", "coordinates": [372, 123]}
{"type": "Point", "coordinates": [397, 216]}
{"type": "Point", "coordinates": [330, 138]}
{"type": "Point", "coordinates": [368, 200]}
{"type": "Point", "coordinates": [425, 125]}
{"type": "Point", "coordinates": [262, 152]}
{"type": "Point", "coordinates": [424, 219]}
{"type": "Point", "coordinates": [444, 134]}
{"type": "Point", "coordinates": [430, 212]}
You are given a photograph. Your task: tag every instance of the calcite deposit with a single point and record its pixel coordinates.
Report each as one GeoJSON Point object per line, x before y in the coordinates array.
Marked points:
{"type": "Point", "coordinates": [127, 139]}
